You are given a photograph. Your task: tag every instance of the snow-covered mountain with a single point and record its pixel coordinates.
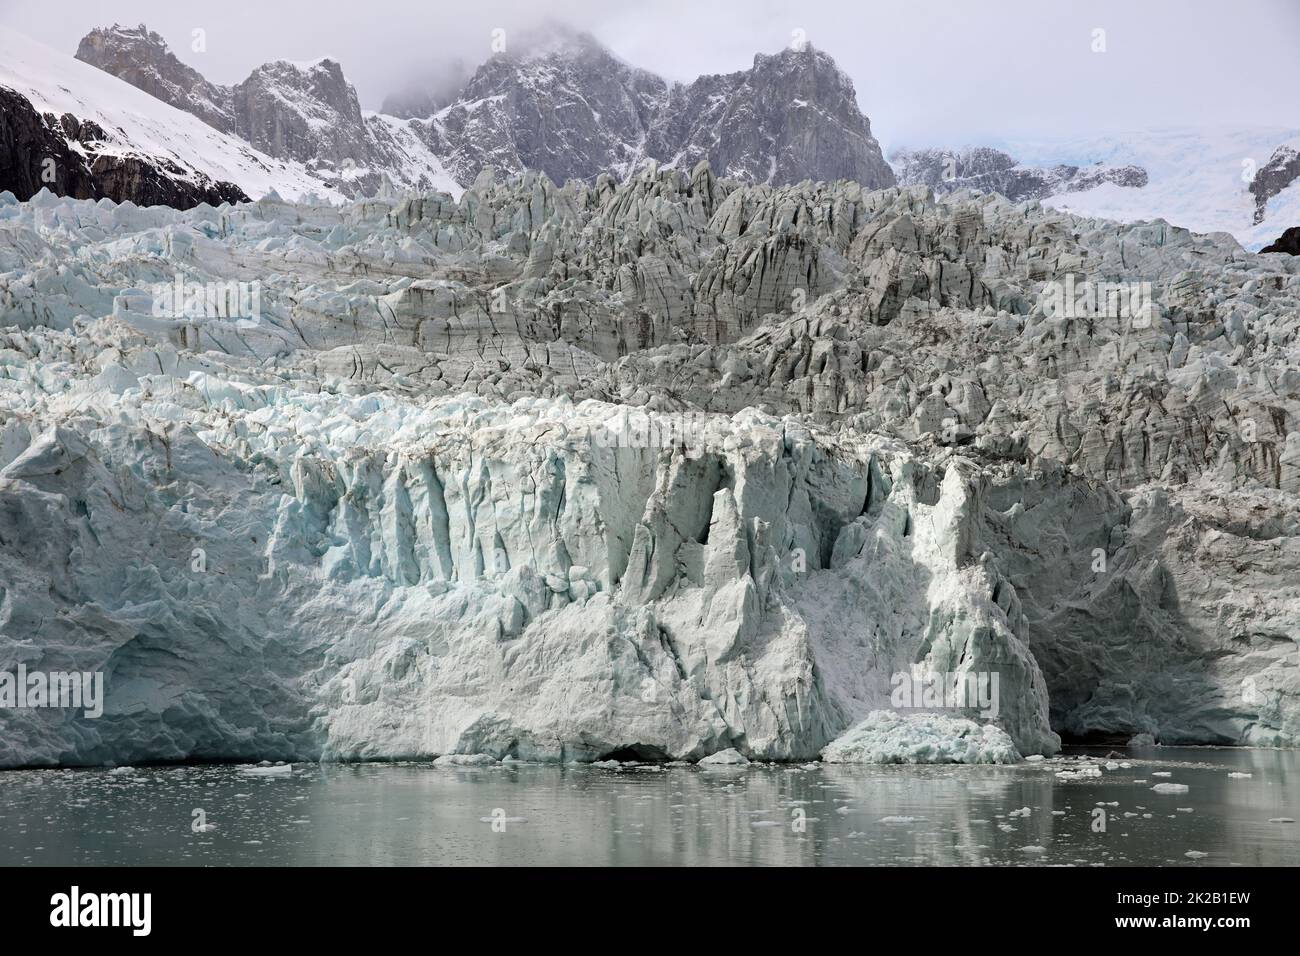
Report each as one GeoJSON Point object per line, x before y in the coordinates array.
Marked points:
{"type": "Point", "coordinates": [305, 112]}
{"type": "Point", "coordinates": [81, 132]}
{"type": "Point", "coordinates": [557, 102]}
{"type": "Point", "coordinates": [991, 170]}
{"type": "Point", "coordinates": [792, 116]}
{"type": "Point", "coordinates": [1244, 181]}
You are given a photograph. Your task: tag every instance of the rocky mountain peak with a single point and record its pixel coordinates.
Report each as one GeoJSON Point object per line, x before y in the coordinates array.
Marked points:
{"type": "Point", "coordinates": [142, 58]}
{"type": "Point", "coordinates": [555, 101]}
{"type": "Point", "coordinates": [794, 115]}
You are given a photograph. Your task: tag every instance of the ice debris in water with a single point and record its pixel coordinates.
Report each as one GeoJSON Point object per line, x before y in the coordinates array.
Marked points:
{"type": "Point", "coordinates": [1170, 788]}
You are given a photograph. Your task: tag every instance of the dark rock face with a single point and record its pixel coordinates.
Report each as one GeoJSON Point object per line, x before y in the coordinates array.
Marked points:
{"type": "Point", "coordinates": [30, 140]}
{"type": "Point", "coordinates": [559, 103]}
{"type": "Point", "coordinates": [993, 171]}
{"type": "Point", "coordinates": [1281, 170]}
{"type": "Point", "coordinates": [305, 112]}
{"type": "Point", "coordinates": [793, 116]}
{"type": "Point", "coordinates": [141, 57]}
{"type": "Point", "coordinates": [564, 106]}
{"type": "Point", "coordinates": [1288, 242]}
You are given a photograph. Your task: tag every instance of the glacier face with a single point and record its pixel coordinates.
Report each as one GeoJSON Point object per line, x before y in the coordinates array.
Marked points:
{"type": "Point", "coordinates": [660, 469]}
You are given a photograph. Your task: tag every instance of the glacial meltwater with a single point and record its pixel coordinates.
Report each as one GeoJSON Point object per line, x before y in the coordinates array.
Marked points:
{"type": "Point", "coordinates": [1092, 807]}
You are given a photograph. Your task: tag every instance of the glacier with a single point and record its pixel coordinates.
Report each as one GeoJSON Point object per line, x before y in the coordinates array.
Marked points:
{"type": "Point", "coordinates": [401, 513]}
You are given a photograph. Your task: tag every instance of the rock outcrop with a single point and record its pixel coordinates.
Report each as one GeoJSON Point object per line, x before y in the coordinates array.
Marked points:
{"type": "Point", "coordinates": [74, 158]}
{"type": "Point", "coordinates": [1281, 170]}
{"type": "Point", "coordinates": [1288, 242]}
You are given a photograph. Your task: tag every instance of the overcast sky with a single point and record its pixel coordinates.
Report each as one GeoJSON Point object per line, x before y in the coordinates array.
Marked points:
{"type": "Point", "coordinates": [926, 71]}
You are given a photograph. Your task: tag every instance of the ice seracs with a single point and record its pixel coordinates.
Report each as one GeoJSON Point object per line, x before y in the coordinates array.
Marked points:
{"type": "Point", "coordinates": [391, 518]}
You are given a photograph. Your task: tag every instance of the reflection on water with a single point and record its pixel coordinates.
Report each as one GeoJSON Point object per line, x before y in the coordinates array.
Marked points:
{"type": "Point", "coordinates": [809, 815]}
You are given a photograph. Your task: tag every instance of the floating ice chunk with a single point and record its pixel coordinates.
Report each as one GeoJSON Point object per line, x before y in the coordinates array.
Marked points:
{"type": "Point", "coordinates": [1079, 774]}
{"type": "Point", "coordinates": [1170, 788]}
{"type": "Point", "coordinates": [899, 819]}
{"type": "Point", "coordinates": [764, 823]}
{"type": "Point", "coordinates": [465, 760]}
{"type": "Point", "coordinates": [279, 770]}
{"type": "Point", "coordinates": [1237, 775]}
{"type": "Point", "coordinates": [1033, 849]}
{"type": "Point", "coordinates": [1161, 773]}
{"type": "Point", "coordinates": [1195, 854]}
{"type": "Point", "coordinates": [1281, 819]}
{"type": "Point", "coordinates": [606, 764]}
{"type": "Point", "coordinates": [731, 757]}
{"type": "Point", "coordinates": [887, 737]}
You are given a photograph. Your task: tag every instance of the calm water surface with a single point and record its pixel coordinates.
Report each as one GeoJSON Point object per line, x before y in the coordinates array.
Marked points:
{"type": "Point", "coordinates": [804, 815]}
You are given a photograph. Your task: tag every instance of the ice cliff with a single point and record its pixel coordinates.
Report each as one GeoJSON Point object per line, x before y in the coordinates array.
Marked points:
{"type": "Point", "coordinates": [650, 469]}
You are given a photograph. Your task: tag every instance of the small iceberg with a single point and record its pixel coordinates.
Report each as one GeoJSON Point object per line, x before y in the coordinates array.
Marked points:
{"type": "Point", "coordinates": [731, 757]}
{"type": "Point", "coordinates": [465, 760]}
{"type": "Point", "coordinates": [276, 770]}
{"type": "Point", "coordinates": [887, 737]}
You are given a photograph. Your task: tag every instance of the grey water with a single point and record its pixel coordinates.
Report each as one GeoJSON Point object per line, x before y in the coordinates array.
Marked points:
{"type": "Point", "coordinates": [650, 815]}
